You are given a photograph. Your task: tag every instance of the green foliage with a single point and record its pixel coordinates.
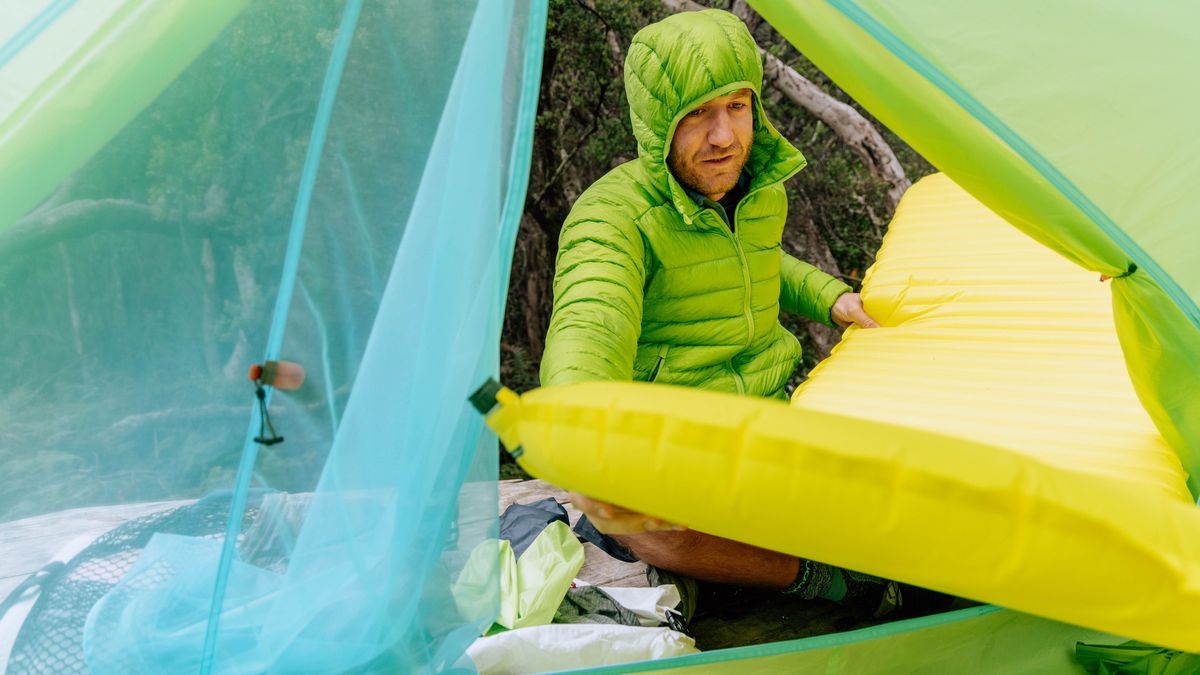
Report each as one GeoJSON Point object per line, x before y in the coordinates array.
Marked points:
{"type": "Point", "coordinates": [583, 126]}
{"type": "Point", "coordinates": [519, 372]}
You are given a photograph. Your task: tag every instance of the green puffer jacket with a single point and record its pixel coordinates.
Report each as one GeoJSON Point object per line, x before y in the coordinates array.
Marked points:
{"type": "Point", "coordinates": [651, 286]}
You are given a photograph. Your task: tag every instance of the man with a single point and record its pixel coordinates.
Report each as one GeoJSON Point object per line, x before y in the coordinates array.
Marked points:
{"type": "Point", "coordinates": [670, 270]}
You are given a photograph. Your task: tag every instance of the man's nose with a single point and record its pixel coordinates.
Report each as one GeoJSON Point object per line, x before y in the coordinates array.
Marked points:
{"type": "Point", "coordinates": [720, 134]}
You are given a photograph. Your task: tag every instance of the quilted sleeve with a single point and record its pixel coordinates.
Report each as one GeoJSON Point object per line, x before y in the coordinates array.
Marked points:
{"type": "Point", "coordinates": [597, 316]}
{"type": "Point", "coordinates": [807, 291]}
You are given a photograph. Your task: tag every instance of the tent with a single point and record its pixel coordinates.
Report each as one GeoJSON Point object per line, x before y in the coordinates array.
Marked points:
{"type": "Point", "coordinates": [194, 187]}
{"type": "Point", "coordinates": [1030, 108]}
{"type": "Point", "coordinates": [902, 452]}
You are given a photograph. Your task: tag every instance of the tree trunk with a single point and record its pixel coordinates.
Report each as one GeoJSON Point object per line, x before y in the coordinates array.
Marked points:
{"type": "Point", "coordinates": [746, 13]}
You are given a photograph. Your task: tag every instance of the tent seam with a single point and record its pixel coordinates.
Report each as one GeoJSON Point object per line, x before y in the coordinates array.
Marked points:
{"type": "Point", "coordinates": [1023, 149]}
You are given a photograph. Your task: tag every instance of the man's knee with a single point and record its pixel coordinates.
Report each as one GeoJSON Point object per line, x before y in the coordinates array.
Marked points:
{"type": "Point", "coordinates": [667, 550]}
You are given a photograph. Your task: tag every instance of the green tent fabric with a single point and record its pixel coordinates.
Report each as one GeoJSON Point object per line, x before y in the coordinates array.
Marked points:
{"type": "Point", "coordinates": [189, 187]}
{"type": "Point", "coordinates": [977, 640]}
{"type": "Point", "coordinates": [1135, 658]}
{"type": "Point", "coordinates": [73, 74]}
{"type": "Point", "coordinates": [1065, 118]}
{"type": "Point", "coordinates": [122, 89]}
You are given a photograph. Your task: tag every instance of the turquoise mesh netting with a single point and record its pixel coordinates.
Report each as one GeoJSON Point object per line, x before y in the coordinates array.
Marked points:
{"type": "Point", "coordinates": [193, 186]}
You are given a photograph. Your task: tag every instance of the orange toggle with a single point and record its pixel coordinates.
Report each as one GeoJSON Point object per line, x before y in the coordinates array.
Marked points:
{"type": "Point", "coordinates": [287, 375]}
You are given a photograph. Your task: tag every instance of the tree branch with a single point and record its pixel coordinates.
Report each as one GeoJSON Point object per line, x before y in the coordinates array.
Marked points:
{"type": "Point", "coordinates": [614, 45]}
{"type": "Point", "coordinates": [855, 130]}
{"type": "Point", "coordinates": [683, 5]}
{"type": "Point", "coordinates": [85, 217]}
{"type": "Point", "coordinates": [742, 10]}
{"type": "Point", "coordinates": [563, 164]}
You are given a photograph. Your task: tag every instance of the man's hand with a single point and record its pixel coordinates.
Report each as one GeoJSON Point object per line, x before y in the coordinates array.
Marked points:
{"type": "Point", "coordinates": [612, 519]}
{"type": "Point", "coordinates": [848, 309]}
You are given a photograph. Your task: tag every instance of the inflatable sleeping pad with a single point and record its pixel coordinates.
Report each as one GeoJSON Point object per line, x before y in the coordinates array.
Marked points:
{"type": "Point", "coordinates": [984, 442]}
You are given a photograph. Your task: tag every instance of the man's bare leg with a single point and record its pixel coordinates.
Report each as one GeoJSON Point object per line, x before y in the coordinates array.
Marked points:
{"type": "Point", "coordinates": [693, 554]}
{"type": "Point", "coordinates": [710, 558]}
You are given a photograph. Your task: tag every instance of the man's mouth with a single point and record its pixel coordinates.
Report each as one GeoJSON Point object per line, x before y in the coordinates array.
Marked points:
{"type": "Point", "coordinates": [718, 162]}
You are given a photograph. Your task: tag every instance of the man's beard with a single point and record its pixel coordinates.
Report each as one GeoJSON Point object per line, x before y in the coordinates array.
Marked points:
{"type": "Point", "coordinates": [691, 178]}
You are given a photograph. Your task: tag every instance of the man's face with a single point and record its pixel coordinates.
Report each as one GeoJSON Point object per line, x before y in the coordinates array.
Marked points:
{"type": "Point", "coordinates": [712, 143]}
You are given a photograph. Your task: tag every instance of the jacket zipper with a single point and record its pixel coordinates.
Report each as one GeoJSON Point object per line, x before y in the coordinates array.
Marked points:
{"type": "Point", "coordinates": [662, 358]}
{"type": "Point", "coordinates": [735, 237]}
{"type": "Point", "coordinates": [737, 378]}
{"type": "Point", "coordinates": [747, 286]}
{"type": "Point", "coordinates": [737, 241]}
{"type": "Point", "coordinates": [731, 230]}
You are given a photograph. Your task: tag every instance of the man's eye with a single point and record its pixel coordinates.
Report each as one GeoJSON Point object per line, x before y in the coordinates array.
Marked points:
{"type": "Point", "coordinates": [737, 106]}
{"type": "Point", "coordinates": [696, 113]}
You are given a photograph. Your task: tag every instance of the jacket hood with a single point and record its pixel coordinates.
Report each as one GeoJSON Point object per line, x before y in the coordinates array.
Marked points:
{"type": "Point", "coordinates": [679, 63]}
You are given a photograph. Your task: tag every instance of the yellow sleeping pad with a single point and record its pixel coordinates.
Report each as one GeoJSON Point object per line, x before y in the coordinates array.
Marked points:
{"type": "Point", "coordinates": [984, 442]}
{"type": "Point", "coordinates": [991, 336]}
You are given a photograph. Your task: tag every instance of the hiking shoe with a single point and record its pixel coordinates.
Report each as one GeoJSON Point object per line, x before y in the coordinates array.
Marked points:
{"type": "Point", "coordinates": [904, 601]}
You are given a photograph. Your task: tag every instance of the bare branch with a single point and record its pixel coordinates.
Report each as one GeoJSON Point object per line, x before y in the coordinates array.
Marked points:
{"type": "Point", "coordinates": [88, 207]}
{"type": "Point", "coordinates": [566, 159]}
{"type": "Point", "coordinates": [683, 5]}
{"type": "Point", "coordinates": [854, 130]}
{"type": "Point", "coordinates": [614, 45]}
{"type": "Point", "coordinates": [742, 10]}
{"type": "Point", "coordinates": [86, 217]}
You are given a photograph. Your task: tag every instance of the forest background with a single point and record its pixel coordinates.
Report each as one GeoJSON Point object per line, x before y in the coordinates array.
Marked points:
{"type": "Point", "coordinates": [839, 205]}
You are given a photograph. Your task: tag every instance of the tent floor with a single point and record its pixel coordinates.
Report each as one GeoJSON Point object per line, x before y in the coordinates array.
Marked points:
{"type": "Point", "coordinates": [28, 544]}
{"type": "Point", "coordinates": [726, 616]}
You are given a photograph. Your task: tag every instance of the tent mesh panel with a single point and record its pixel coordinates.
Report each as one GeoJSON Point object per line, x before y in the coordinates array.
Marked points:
{"type": "Point", "coordinates": [51, 638]}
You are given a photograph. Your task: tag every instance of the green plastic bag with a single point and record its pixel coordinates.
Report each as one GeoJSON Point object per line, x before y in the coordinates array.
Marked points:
{"type": "Point", "coordinates": [531, 587]}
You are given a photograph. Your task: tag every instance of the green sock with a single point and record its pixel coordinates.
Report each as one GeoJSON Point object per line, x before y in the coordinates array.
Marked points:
{"type": "Point", "coordinates": [818, 580]}
{"type": "Point", "coordinates": [837, 586]}
{"type": "Point", "coordinates": [813, 580]}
